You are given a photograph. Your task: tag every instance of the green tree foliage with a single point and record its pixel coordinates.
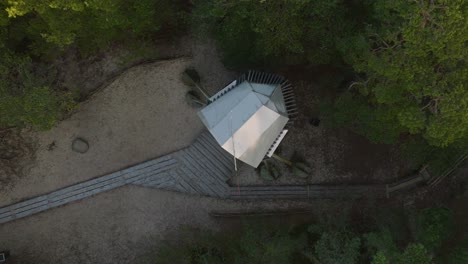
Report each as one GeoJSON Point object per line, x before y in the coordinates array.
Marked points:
{"type": "Point", "coordinates": [336, 247]}
{"type": "Point", "coordinates": [434, 226]}
{"type": "Point", "coordinates": [459, 255]}
{"type": "Point", "coordinates": [42, 29]}
{"type": "Point", "coordinates": [197, 248]}
{"type": "Point", "coordinates": [255, 245]}
{"type": "Point", "coordinates": [377, 122]}
{"type": "Point", "coordinates": [381, 245]}
{"type": "Point", "coordinates": [384, 250]}
{"type": "Point", "coordinates": [25, 98]}
{"type": "Point", "coordinates": [414, 254]}
{"type": "Point", "coordinates": [332, 241]}
{"type": "Point", "coordinates": [259, 31]}
{"type": "Point", "coordinates": [379, 258]}
{"type": "Point", "coordinates": [92, 24]}
{"type": "Point", "coordinates": [260, 245]}
{"type": "Point", "coordinates": [412, 57]}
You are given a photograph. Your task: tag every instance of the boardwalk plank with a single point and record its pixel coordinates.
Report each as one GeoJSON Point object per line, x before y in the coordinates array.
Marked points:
{"type": "Point", "coordinates": [191, 170]}
{"type": "Point", "coordinates": [5, 214]}
{"type": "Point", "coordinates": [149, 174]}
{"type": "Point", "coordinates": [151, 181]}
{"type": "Point", "coordinates": [29, 207]}
{"type": "Point", "coordinates": [150, 168]}
{"type": "Point", "coordinates": [147, 163]}
{"type": "Point", "coordinates": [108, 179]}
{"type": "Point", "coordinates": [206, 175]}
{"type": "Point", "coordinates": [23, 203]}
{"type": "Point", "coordinates": [202, 187]}
{"type": "Point", "coordinates": [6, 219]}
{"type": "Point", "coordinates": [210, 142]}
{"type": "Point", "coordinates": [185, 183]}
{"type": "Point", "coordinates": [31, 211]}
{"type": "Point", "coordinates": [212, 155]}
{"type": "Point", "coordinates": [209, 166]}
{"type": "Point", "coordinates": [88, 192]}
{"type": "Point", "coordinates": [225, 167]}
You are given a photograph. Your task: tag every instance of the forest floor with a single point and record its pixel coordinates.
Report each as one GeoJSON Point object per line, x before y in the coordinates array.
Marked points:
{"type": "Point", "coordinates": [137, 115]}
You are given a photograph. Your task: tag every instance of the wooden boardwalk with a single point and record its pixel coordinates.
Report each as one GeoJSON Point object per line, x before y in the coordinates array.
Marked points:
{"type": "Point", "coordinates": [307, 192]}
{"type": "Point", "coordinates": [202, 168]}
{"type": "Point", "coordinates": [86, 189]}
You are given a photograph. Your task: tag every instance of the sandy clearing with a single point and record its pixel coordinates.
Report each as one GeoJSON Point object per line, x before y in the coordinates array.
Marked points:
{"type": "Point", "coordinates": [141, 115]}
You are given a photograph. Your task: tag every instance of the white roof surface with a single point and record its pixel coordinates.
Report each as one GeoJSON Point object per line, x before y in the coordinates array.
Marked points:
{"type": "Point", "coordinates": [246, 120]}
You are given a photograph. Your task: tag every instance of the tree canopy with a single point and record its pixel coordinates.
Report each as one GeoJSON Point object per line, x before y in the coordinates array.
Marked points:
{"type": "Point", "coordinates": [413, 64]}
{"type": "Point", "coordinates": [322, 242]}
{"type": "Point", "coordinates": [253, 32]}
{"type": "Point", "coordinates": [93, 24]}
{"type": "Point", "coordinates": [409, 57]}
{"type": "Point", "coordinates": [33, 33]}
{"type": "Point", "coordinates": [26, 98]}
